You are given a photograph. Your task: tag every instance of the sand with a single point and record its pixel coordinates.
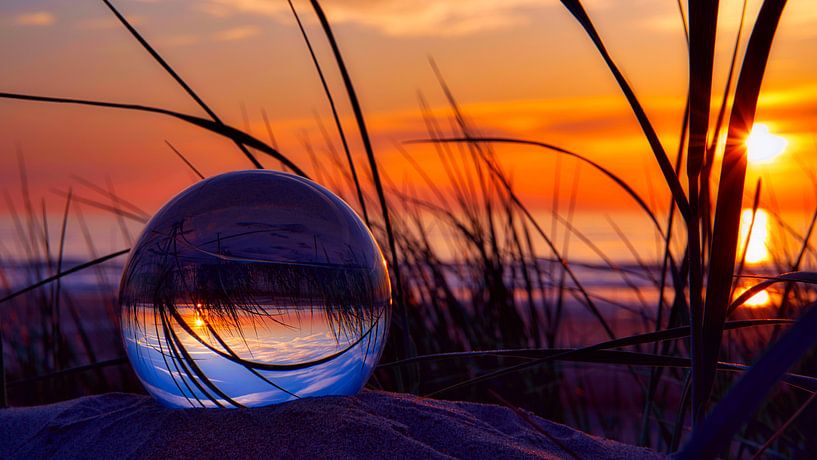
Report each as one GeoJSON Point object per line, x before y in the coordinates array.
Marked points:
{"type": "Point", "coordinates": [369, 425]}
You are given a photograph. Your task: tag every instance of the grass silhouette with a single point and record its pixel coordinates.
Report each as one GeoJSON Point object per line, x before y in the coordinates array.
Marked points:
{"type": "Point", "coordinates": [473, 303]}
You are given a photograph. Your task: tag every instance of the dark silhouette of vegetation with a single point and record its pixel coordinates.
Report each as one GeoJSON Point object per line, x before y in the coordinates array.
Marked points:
{"type": "Point", "coordinates": [490, 319]}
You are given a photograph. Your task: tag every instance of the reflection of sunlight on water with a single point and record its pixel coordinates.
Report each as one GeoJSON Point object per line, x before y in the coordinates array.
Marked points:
{"type": "Point", "coordinates": [761, 299]}
{"type": "Point", "coordinates": [757, 250]}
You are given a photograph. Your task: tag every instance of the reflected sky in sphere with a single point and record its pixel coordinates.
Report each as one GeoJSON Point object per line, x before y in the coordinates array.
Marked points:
{"type": "Point", "coordinates": [253, 288]}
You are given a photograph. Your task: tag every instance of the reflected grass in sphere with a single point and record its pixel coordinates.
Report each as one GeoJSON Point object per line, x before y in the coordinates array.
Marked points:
{"type": "Point", "coordinates": [254, 288]}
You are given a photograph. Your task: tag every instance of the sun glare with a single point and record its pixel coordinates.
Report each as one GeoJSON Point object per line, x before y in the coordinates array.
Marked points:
{"type": "Point", "coordinates": [762, 146]}
{"type": "Point", "coordinates": [757, 250]}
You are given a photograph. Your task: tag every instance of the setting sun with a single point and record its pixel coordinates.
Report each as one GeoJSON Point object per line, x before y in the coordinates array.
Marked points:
{"type": "Point", "coordinates": [763, 146]}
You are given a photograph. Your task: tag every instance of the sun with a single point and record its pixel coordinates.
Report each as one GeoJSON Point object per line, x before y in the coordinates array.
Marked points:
{"type": "Point", "coordinates": [762, 146]}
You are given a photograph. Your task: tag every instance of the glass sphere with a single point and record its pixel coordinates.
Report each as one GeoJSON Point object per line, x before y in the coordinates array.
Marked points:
{"type": "Point", "coordinates": [253, 288]}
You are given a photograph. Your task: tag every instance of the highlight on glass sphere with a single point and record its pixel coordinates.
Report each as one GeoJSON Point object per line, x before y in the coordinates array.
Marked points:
{"type": "Point", "coordinates": [253, 288]}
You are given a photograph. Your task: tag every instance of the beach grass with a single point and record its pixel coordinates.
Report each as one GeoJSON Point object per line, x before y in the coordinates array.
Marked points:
{"type": "Point", "coordinates": [490, 319]}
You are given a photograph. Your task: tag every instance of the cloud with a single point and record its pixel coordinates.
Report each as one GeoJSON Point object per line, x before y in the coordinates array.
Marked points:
{"type": "Point", "coordinates": [36, 19]}
{"type": "Point", "coordinates": [400, 17]}
{"type": "Point", "coordinates": [235, 33]}
{"type": "Point", "coordinates": [180, 40]}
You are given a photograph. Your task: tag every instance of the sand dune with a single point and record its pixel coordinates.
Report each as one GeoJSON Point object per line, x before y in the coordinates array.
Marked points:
{"type": "Point", "coordinates": [369, 425]}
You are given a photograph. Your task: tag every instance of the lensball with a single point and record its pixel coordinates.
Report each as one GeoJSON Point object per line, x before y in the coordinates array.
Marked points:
{"type": "Point", "coordinates": [253, 288]}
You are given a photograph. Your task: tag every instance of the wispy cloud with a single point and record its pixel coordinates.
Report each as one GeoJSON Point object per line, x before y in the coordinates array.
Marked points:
{"type": "Point", "coordinates": [401, 17]}
{"type": "Point", "coordinates": [180, 40]}
{"type": "Point", "coordinates": [232, 34]}
{"type": "Point", "coordinates": [235, 33]}
{"type": "Point", "coordinates": [36, 19]}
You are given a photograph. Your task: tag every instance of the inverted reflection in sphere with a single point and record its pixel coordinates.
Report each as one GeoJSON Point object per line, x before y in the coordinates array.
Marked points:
{"type": "Point", "coordinates": [253, 288]}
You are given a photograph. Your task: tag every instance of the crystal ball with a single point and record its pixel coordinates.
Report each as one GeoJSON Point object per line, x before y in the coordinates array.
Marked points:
{"type": "Point", "coordinates": [253, 288]}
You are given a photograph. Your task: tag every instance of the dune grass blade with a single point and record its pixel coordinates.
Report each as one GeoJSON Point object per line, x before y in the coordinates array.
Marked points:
{"type": "Point", "coordinates": [709, 160]}
{"type": "Point", "coordinates": [804, 246]}
{"type": "Point", "coordinates": [106, 193]}
{"type": "Point", "coordinates": [729, 201]}
{"type": "Point", "coordinates": [105, 207]}
{"type": "Point", "coordinates": [533, 424]}
{"type": "Point", "coordinates": [799, 277]}
{"type": "Point", "coordinates": [683, 20]}
{"type": "Point", "coordinates": [503, 181]}
{"type": "Point", "coordinates": [56, 317]}
{"type": "Point", "coordinates": [32, 242]}
{"type": "Point", "coordinates": [66, 372]}
{"type": "Point", "coordinates": [503, 140]}
{"type": "Point", "coordinates": [716, 431]}
{"type": "Point", "coordinates": [171, 357]}
{"type": "Point", "coordinates": [749, 230]}
{"type": "Point", "coordinates": [785, 426]}
{"type": "Point", "coordinates": [158, 58]}
{"type": "Point", "coordinates": [613, 357]}
{"type": "Point", "coordinates": [681, 413]}
{"type": "Point", "coordinates": [655, 374]}
{"type": "Point", "coordinates": [550, 354]}
{"type": "Point", "coordinates": [185, 160]}
{"type": "Point", "coordinates": [85, 341]}
{"type": "Point", "coordinates": [59, 275]}
{"type": "Point", "coordinates": [338, 125]}
{"type": "Point", "coordinates": [703, 20]}
{"type": "Point", "coordinates": [637, 339]}
{"type": "Point", "coordinates": [228, 351]}
{"type": "Point", "coordinates": [191, 369]}
{"type": "Point", "coordinates": [378, 185]}
{"type": "Point", "coordinates": [577, 10]}
{"type": "Point", "coordinates": [260, 365]}
{"type": "Point", "coordinates": [221, 129]}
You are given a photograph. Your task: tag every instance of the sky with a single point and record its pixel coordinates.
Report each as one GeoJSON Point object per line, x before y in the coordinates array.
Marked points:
{"type": "Point", "coordinates": [521, 68]}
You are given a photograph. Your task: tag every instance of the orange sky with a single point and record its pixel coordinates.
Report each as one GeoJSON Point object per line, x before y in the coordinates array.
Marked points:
{"type": "Point", "coordinates": [520, 68]}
